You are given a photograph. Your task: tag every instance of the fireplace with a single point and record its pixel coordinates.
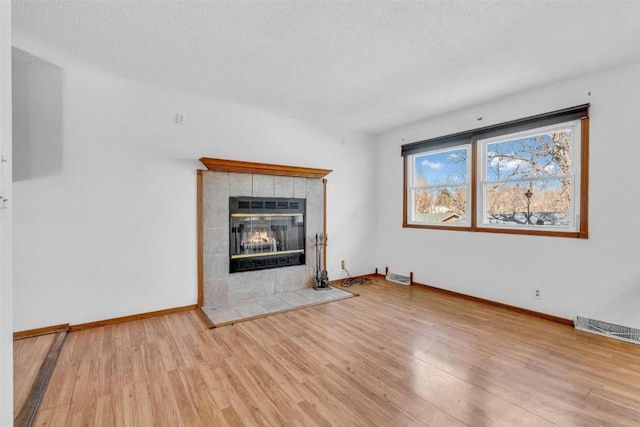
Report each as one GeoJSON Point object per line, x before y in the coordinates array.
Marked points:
{"type": "Point", "coordinates": [266, 232]}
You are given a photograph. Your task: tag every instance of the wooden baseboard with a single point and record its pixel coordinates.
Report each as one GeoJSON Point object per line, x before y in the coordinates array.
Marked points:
{"type": "Point", "coordinates": [72, 328]}
{"type": "Point", "coordinates": [532, 313]}
{"type": "Point", "coordinates": [141, 316]}
{"type": "Point", "coordinates": [40, 331]}
{"type": "Point", "coordinates": [537, 314]}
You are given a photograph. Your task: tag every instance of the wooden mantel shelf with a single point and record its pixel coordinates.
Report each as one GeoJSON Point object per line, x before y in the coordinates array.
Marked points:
{"type": "Point", "coordinates": [262, 168]}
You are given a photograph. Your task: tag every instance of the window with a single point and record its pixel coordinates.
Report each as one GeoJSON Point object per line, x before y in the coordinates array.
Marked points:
{"type": "Point", "coordinates": [528, 176]}
{"type": "Point", "coordinates": [528, 179]}
{"type": "Point", "coordinates": [439, 187]}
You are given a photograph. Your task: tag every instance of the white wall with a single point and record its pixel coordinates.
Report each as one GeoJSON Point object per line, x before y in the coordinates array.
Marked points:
{"type": "Point", "coordinates": [6, 267]}
{"type": "Point", "coordinates": [110, 229]}
{"type": "Point", "coordinates": [578, 277]}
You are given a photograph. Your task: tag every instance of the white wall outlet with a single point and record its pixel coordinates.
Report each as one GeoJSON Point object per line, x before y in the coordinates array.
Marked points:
{"type": "Point", "coordinates": [342, 264]}
{"type": "Point", "coordinates": [537, 293]}
{"type": "Point", "coordinates": [180, 118]}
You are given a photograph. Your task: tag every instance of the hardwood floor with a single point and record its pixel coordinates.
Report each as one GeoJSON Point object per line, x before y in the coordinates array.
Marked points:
{"type": "Point", "coordinates": [394, 356]}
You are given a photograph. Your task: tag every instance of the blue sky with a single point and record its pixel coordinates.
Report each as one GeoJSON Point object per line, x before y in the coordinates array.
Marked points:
{"type": "Point", "coordinates": [446, 167]}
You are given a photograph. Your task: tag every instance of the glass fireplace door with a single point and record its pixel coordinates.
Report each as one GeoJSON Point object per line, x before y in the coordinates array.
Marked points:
{"type": "Point", "coordinates": [266, 233]}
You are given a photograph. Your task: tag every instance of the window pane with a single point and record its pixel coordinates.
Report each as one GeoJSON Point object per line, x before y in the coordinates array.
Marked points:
{"type": "Point", "coordinates": [549, 203]}
{"type": "Point", "coordinates": [536, 156]}
{"type": "Point", "coordinates": [440, 205]}
{"type": "Point", "coordinates": [443, 167]}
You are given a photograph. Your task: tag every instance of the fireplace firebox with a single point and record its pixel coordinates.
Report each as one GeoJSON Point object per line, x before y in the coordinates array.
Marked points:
{"type": "Point", "coordinates": [266, 232]}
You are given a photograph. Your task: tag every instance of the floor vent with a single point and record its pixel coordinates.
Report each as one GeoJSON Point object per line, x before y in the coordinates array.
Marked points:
{"type": "Point", "coordinates": [393, 277]}
{"type": "Point", "coordinates": [607, 329]}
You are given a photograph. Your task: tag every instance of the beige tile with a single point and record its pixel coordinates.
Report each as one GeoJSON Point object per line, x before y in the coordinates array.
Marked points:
{"type": "Point", "coordinates": [222, 315]}
{"type": "Point", "coordinates": [216, 266]}
{"type": "Point", "coordinates": [290, 278]}
{"type": "Point", "coordinates": [215, 187]}
{"type": "Point", "coordinates": [215, 241]}
{"type": "Point", "coordinates": [250, 309]}
{"type": "Point", "coordinates": [295, 299]}
{"type": "Point", "coordinates": [251, 284]}
{"type": "Point", "coordinates": [324, 295]}
{"type": "Point", "coordinates": [274, 303]}
{"type": "Point", "coordinates": [216, 292]}
{"type": "Point", "coordinates": [300, 188]}
{"type": "Point", "coordinates": [263, 185]}
{"type": "Point", "coordinates": [240, 184]}
{"type": "Point", "coordinates": [283, 186]}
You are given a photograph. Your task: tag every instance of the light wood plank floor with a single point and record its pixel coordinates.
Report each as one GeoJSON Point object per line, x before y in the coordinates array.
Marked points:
{"type": "Point", "coordinates": [394, 356]}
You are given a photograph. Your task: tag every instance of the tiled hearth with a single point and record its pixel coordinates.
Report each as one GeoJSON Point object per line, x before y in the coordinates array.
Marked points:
{"type": "Point", "coordinates": [224, 314]}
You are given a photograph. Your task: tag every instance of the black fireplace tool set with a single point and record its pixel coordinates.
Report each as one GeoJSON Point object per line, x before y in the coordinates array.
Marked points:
{"type": "Point", "coordinates": [322, 278]}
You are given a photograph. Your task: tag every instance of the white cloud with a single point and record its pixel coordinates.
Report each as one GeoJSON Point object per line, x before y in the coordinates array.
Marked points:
{"type": "Point", "coordinates": [433, 165]}
{"type": "Point", "coordinates": [507, 164]}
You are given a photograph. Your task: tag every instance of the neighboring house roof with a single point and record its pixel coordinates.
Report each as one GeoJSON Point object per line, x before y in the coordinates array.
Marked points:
{"type": "Point", "coordinates": [437, 217]}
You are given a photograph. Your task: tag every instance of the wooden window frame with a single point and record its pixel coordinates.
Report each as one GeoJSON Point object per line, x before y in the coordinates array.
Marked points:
{"type": "Point", "coordinates": [467, 185]}
{"type": "Point", "coordinates": [582, 229]}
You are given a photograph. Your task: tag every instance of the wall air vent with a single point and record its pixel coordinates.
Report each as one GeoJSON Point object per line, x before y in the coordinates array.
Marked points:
{"type": "Point", "coordinates": [398, 278]}
{"type": "Point", "coordinates": [611, 330]}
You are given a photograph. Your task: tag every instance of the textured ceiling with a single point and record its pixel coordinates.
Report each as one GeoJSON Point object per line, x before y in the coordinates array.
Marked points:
{"type": "Point", "coordinates": [365, 65]}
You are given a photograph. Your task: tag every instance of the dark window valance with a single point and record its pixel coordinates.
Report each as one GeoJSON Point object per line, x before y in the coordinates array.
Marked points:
{"type": "Point", "coordinates": [540, 120]}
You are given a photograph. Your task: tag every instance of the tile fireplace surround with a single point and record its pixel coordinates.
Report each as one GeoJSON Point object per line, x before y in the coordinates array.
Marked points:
{"type": "Point", "coordinates": [248, 294]}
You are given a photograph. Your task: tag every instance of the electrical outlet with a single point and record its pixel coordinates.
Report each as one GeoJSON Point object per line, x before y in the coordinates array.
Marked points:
{"type": "Point", "coordinates": [537, 293]}
{"type": "Point", "coordinates": [342, 264]}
